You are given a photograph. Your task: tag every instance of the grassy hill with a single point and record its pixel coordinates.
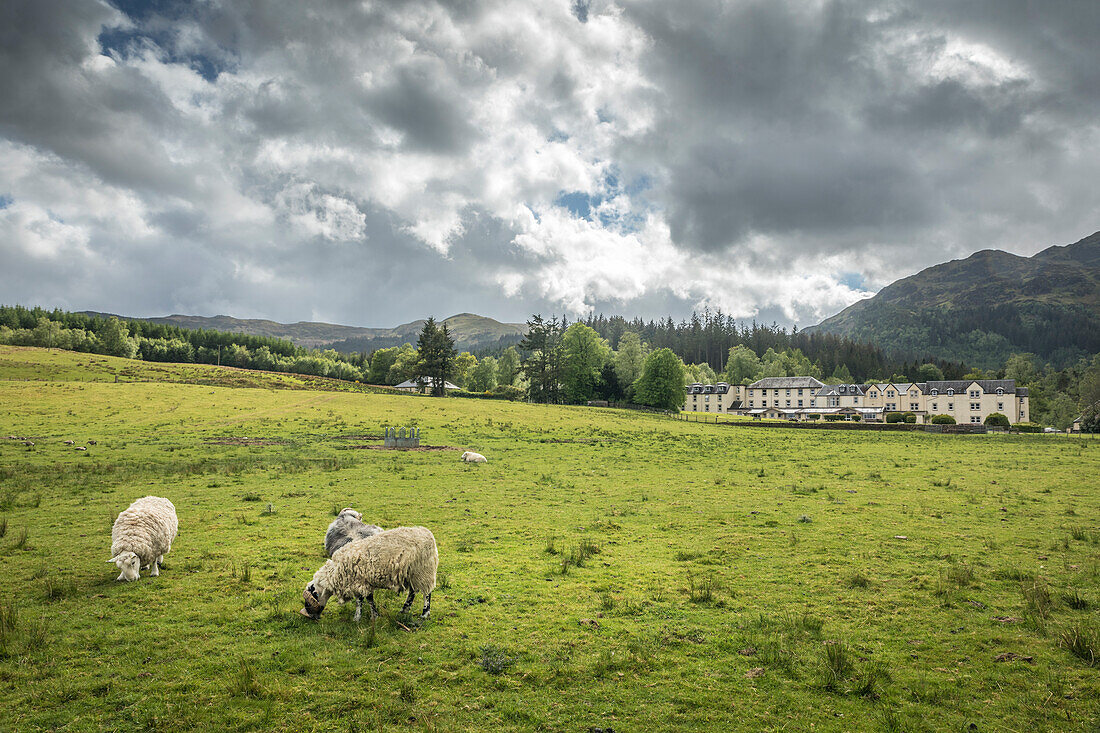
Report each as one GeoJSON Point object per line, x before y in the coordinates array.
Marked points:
{"type": "Point", "coordinates": [603, 564]}
{"type": "Point", "coordinates": [987, 306]}
{"type": "Point", "coordinates": [470, 331]}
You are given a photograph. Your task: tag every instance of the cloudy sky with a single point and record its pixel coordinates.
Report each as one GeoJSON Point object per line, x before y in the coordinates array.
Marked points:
{"type": "Point", "coordinates": [371, 163]}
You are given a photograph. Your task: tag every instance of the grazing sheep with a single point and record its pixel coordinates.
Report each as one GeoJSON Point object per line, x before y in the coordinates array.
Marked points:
{"type": "Point", "coordinates": [91, 442]}
{"type": "Point", "coordinates": [80, 447]}
{"type": "Point", "coordinates": [70, 442]}
{"type": "Point", "coordinates": [471, 457]}
{"type": "Point", "coordinates": [28, 443]}
{"type": "Point", "coordinates": [347, 526]}
{"type": "Point", "coordinates": [405, 558]}
{"type": "Point", "coordinates": [142, 535]}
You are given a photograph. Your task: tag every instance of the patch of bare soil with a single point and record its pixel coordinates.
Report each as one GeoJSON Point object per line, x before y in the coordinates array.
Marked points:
{"type": "Point", "coordinates": [354, 437]}
{"type": "Point", "coordinates": [245, 440]}
{"type": "Point", "coordinates": [423, 448]}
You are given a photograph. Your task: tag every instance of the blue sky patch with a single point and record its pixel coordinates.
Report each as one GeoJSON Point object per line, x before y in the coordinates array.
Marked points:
{"type": "Point", "coordinates": [854, 280]}
{"type": "Point", "coordinates": [578, 203]}
{"type": "Point", "coordinates": [6, 200]}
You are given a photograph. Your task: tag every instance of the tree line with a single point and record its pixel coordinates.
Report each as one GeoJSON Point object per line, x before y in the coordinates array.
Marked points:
{"type": "Point", "coordinates": [565, 363]}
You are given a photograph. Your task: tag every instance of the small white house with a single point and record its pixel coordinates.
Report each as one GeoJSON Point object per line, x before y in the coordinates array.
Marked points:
{"type": "Point", "coordinates": [412, 385]}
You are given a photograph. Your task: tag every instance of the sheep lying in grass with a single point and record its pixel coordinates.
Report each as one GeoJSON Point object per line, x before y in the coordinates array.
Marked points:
{"type": "Point", "coordinates": [347, 526]}
{"type": "Point", "coordinates": [401, 559]}
{"type": "Point", "coordinates": [471, 457]}
{"type": "Point", "coordinates": [142, 535]}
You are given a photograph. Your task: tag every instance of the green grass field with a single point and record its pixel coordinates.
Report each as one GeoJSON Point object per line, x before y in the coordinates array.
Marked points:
{"type": "Point", "coordinates": [605, 569]}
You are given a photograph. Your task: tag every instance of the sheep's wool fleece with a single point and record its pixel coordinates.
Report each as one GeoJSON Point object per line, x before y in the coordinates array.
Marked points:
{"type": "Point", "coordinates": [400, 559]}
{"type": "Point", "coordinates": [346, 528]}
{"type": "Point", "coordinates": [146, 529]}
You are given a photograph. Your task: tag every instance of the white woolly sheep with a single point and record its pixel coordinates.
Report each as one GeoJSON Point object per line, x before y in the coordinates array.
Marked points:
{"type": "Point", "coordinates": [471, 457]}
{"type": "Point", "coordinates": [142, 535]}
{"type": "Point", "coordinates": [400, 559]}
{"type": "Point", "coordinates": [347, 526]}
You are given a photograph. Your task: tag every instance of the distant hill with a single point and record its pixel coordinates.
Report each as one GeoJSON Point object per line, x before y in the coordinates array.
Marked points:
{"type": "Point", "coordinates": [985, 307]}
{"type": "Point", "coordinates": [469, 331]}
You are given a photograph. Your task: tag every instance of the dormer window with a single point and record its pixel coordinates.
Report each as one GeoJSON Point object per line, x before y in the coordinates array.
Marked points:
{"type": "Point", "coordinates": [950, 392]}
{"type": "Point", "coordinates": [935, 392]}
{"type": "Point", "coordinates": [1000, 392]}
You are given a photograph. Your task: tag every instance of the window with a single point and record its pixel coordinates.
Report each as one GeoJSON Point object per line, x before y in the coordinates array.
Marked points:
{"type": "Point", "coordinates": [776, 393]}
{"type": "Point", "coordinates": [800, 392]}
{"type": "Point", "coordinates": [891, 407]}
{"type": "Point", "coordinates": [695, 398]}
{"type": "Point", "coordinates": [976, 419]}
{"type": "Point", "coordinates": [707, 407]}
{"type": "Point", "coordinates": [975, 394]}
{"type": "Point", "coordinates": [950, 392]}
{"type": "Point", "coordinates": [975, 405]}
{"type": "Point", "coordinates": [914, 406]}
{"type": "Point", "coordinates": [874, 393]}
{"type": "Point", "coordinates": [800, 402]}
{"type": "Point", "coordinates": [935, 407]}
{"type": "Point", "coordinates": [1000, 407]}
{"type": "Point", "coordinates": [935, 392]}
{"type": "Point", "coordinates": [950, 406]}
{"type": "Point", "coordinates": [890, 393]}
{"type": "Point", "coordinates": [718, 407]}
{"type": "Point", "coordinates": [834, 402]}
{"type": "Point", "coordinates": [813, 403]}
{"type": "Point", "coordinates": [1000, 392]}
{"type": "Point", "coordinates": [707, 398]}
{"type": "Point", "coordinates": [788, 393]}
{"type": "Point", "coordinates": [750, 403]}
{"type": "Point", "coordinates": [913, 393]}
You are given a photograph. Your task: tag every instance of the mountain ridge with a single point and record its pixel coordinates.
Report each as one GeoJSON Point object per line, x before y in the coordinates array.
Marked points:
{"type": "Point", "coordinates": [469, 330]}
{"type": "Point", "coordinates": [984, 307]}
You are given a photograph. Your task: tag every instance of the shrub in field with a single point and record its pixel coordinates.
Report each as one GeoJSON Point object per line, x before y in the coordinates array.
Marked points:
{"type": "Point", "coordinates": [893, 417]}
{"type": "Point", "coordinates": [1027, 427]}
{"type": "Point", "coordinates": [997, 420]}
{"type": "Point", "coordinates": [909, 418]}
{"type": "Point", "coordinates": [942, 420]}
{"type": "Point", "coordinates": [813, 417]}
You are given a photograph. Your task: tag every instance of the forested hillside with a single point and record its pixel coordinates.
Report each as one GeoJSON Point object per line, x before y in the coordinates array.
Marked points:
{"type": "Point", "coordinates": [986, 307]}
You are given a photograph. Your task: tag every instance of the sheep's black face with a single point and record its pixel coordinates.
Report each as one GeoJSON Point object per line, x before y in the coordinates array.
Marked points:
{"type": "Point", "coordinates": [312, 603]}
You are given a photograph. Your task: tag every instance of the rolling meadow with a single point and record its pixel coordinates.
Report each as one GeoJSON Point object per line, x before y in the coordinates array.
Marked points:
{"type": "Point", "coordinates": [605, 569]}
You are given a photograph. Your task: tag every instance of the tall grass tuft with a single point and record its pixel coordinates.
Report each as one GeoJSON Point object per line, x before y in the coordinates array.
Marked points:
{"type": "Point", "coordinates": [1073, 599]}
{"type": "Point", "coordinates": [837, 665]}
{"type": "Point", "coordinates": [858, 580]}
{"type": "Point", "coordinates": [245, 682]}
{"type": "Point", "coordinates": [1082, 642]}
{"type": "Point", "coordinates": [703, 591]}
{"type": "Point", "coordinates": [3, 526]}
{"type": "Point", "coordinates": [1037, 598]}
{"type": "Point", "coordinates": [495, 660]}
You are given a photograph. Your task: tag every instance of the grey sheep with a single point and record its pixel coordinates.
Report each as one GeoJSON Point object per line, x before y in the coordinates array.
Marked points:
{"type": "Point", "coordinates": [347, 526]}
{"type": "Point", "coordinates": [401, 559]}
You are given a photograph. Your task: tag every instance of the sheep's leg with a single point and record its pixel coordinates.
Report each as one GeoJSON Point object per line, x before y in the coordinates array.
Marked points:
{"type": "Point", "coordinates": [153, 569]}
{"type": "Point", "coordinates": [373, 608]}
{"type": "Point", "coordinates": [358, 608]}
{"type": "Point", "coordinates": [427, 606]}
{"type": "Point", "coordinates": [160, 560]}
{"type": "Point", "coordinates": [408, 602]}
